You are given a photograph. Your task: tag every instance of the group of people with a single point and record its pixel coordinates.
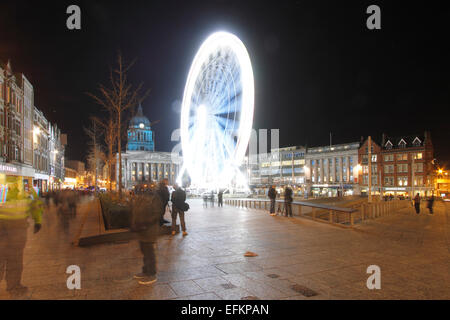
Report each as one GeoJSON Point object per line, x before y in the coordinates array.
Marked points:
{"type": "Point", "coordinates": [430, 203]}
{"type": "Point", "coordinates": [64, 200]}
{"type": "Point", "coordinates": [148, 209]}
{"type": "Point", "coordinates": [209, 197]}
{"type": "Point", "coordinates": [288, 198]}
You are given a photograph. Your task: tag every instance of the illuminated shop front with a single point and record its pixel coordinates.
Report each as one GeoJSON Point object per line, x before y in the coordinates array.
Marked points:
{"type": "Point", "coordinates": [9, 173]}
{"type": "Point", "coordinates": [326, 190]}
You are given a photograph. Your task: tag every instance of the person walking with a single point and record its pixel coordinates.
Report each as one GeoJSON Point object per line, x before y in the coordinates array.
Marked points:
{"type": "Point", "coordinates": [220, 198]}
{"type": "Point", "coordinates": [14, 214]}
{"type": "Point", "coordinates": [430, 203]}
{"type": "Point", "coordinates": [205, 200]}
{"type": "Point", "coordinates": [146, 218]}
{"type": "Point", "coordinates": [417, 203]}
{"type": "Point", "coordinates": [272, 194]}
{"type": "Point", "coordinates": [288, 201]}
{"type": "Point", "coordinates": [178, 209]}
{"type": "Point", "coordinates": [164, 195]}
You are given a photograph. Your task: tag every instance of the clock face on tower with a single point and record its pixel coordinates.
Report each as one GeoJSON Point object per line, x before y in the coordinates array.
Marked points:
{"type": "Point", "coordinates": [141, 126]}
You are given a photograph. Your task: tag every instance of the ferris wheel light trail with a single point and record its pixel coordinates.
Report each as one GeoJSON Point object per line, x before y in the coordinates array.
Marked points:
{"type": "Point", "coordinates": [217, 111]}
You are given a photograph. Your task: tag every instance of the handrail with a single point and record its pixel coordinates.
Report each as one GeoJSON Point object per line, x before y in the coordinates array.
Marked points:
{"type": "Point", "coordinates": [363, 212]}
{"type": "Point", "coordinates": [302, 203]}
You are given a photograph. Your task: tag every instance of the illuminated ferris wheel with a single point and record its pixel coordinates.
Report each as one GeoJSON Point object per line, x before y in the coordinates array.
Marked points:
{"type": "Point", "coordinates": [217, 111]}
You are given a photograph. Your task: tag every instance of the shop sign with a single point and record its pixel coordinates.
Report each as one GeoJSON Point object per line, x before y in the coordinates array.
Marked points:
{"type": "Point", "coordinates": [394, 189]}
{"type": "Point", "coordinates": [7, 168]}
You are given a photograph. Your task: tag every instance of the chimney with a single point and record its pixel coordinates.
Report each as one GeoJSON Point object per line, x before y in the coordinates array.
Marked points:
{"type": "Point", "coordinates": [383, 139]}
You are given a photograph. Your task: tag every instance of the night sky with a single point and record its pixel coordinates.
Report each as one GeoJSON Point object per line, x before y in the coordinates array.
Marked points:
{"type": "Point", "coordinates": [317, 67]}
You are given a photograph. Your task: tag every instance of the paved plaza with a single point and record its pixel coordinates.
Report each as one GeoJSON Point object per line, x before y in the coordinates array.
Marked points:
{"type": "Point", "coordinates": [327, 261]}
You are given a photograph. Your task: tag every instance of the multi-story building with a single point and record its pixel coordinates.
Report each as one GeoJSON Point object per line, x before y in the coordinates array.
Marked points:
{"type": "Point", "coordinates": [75, 173]}
{"type": "Point", "coordinates": [326, 171]}
{"type": "Point", "coordinates": [41, 148]}
{"type": "Point", "coordinates": [57, 143]}
{"type": "Point", "coordinates": [401, 166]}
{"type": "Point", "coordinates": [140, 163]}
{"type": "Point", "coordinates": [331, 171]}
{"type": "Point", "coordinates": [24, 132]}
{"type": "Point", "coordinates": [28, 115]}
{"type": "Point", "coordinates": [282, 166]}
{"type": "Point", "coordinates": [16, 97]}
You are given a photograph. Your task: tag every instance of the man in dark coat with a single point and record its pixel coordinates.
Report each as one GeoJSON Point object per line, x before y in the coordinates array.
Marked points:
{"type": "Point", "coordinates": [145, 213]}
{"type": "Point", "coordinates": [220, 198]}
{"type": "Point", "coordinates": [430, 203]}
{"type": "Point", "coordinates": [164, 195]}
{"type": "Point", "coordinates": [417, 203]}
{"type": "Point", "coordinates": [288, 201]}
{"type": "Point", "coordinates": [178, 203]}
{"type": "Point", "coordinates": [272, 194]}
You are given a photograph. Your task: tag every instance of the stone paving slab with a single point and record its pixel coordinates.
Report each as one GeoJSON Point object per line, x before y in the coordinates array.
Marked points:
{"type": "Point", "coordinates": [412, 252]}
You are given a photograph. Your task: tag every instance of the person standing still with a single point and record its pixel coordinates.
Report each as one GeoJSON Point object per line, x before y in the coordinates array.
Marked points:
{"type": "Point", "coordinates": [288, 201]}
{"type": "Point", "coordinates": [178, 200]}
{"type": "Point", "coordinates": [164, 195]}
{"type": "Point", "coordinates": [430, 204]}
{"type": "Point", "coordinates": [272, 194]}
{"type": "Point", "coordinates": [417, 203]}
{"type": "Point", "coordinates": [220, 198]}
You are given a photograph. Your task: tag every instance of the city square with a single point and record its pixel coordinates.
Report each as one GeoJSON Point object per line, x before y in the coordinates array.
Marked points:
{"type": "Point", "coordinates": [226, 151]}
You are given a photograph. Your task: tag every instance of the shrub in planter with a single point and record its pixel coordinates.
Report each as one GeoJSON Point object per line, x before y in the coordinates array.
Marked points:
{"type": "Point", "coordinates": [115, 214]}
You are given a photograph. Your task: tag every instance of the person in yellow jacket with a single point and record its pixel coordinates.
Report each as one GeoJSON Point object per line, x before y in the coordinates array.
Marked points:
{"type": "Point", "coordinates": [14, 213]}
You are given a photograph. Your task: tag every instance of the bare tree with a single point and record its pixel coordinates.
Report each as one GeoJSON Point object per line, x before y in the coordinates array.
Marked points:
{"type": "Point", "coordinates": [120, 97]}
{"type": "Point", "coordinates": [95, 153]}
{"type": "Point", "coordinates": [109, 132]}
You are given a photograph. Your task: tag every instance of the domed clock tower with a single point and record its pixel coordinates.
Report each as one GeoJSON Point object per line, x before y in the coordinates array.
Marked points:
{"type": "Point", "coordinates": [140, 134]}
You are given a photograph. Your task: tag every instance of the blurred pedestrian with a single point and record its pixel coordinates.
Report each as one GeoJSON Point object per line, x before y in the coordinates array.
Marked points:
{"type": "Point", "coordinates": [205, 200]}
{"type": "Point", "coordinates": [72, 199]}
{"type": "Point", "coordinates": [272, 194]}
{"type": "Point", "coordinates": [14, 213]}
{"type": "Point", "coordinates": [417, 203]}
{"type": "Point", "coordinates": [179, 207]}
{"type": "Point", "coordinates": [145, 222]}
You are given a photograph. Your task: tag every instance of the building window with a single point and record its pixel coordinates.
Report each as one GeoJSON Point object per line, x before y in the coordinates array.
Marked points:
{"type": "Point", "coordinates": [365, 179]}
{"type": "Point", "coordinates": [418, 156]}
{"type": "Point", "coordinates": [418, 167]}
{"type": "Point", "coordinates": [402, 181]}
{"type": "Point", "coordinates": [389, 168]}
{"type": "Point", "coordinates": [389, 181]}
{"type": "Point", "coordinates": [402, 157]}
{"type": "Point", "coordinates": [418, 181]}
{"type": "Point", "coordinates": [402, 167]}
{"type": "Point", "coordinates": [388, 157]}
{"type": "Point", "coordinates": [374, 158]}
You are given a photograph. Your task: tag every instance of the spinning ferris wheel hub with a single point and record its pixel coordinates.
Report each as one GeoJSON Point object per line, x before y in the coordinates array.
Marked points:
{"type": "Point", "coordinates": [217, 112]}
